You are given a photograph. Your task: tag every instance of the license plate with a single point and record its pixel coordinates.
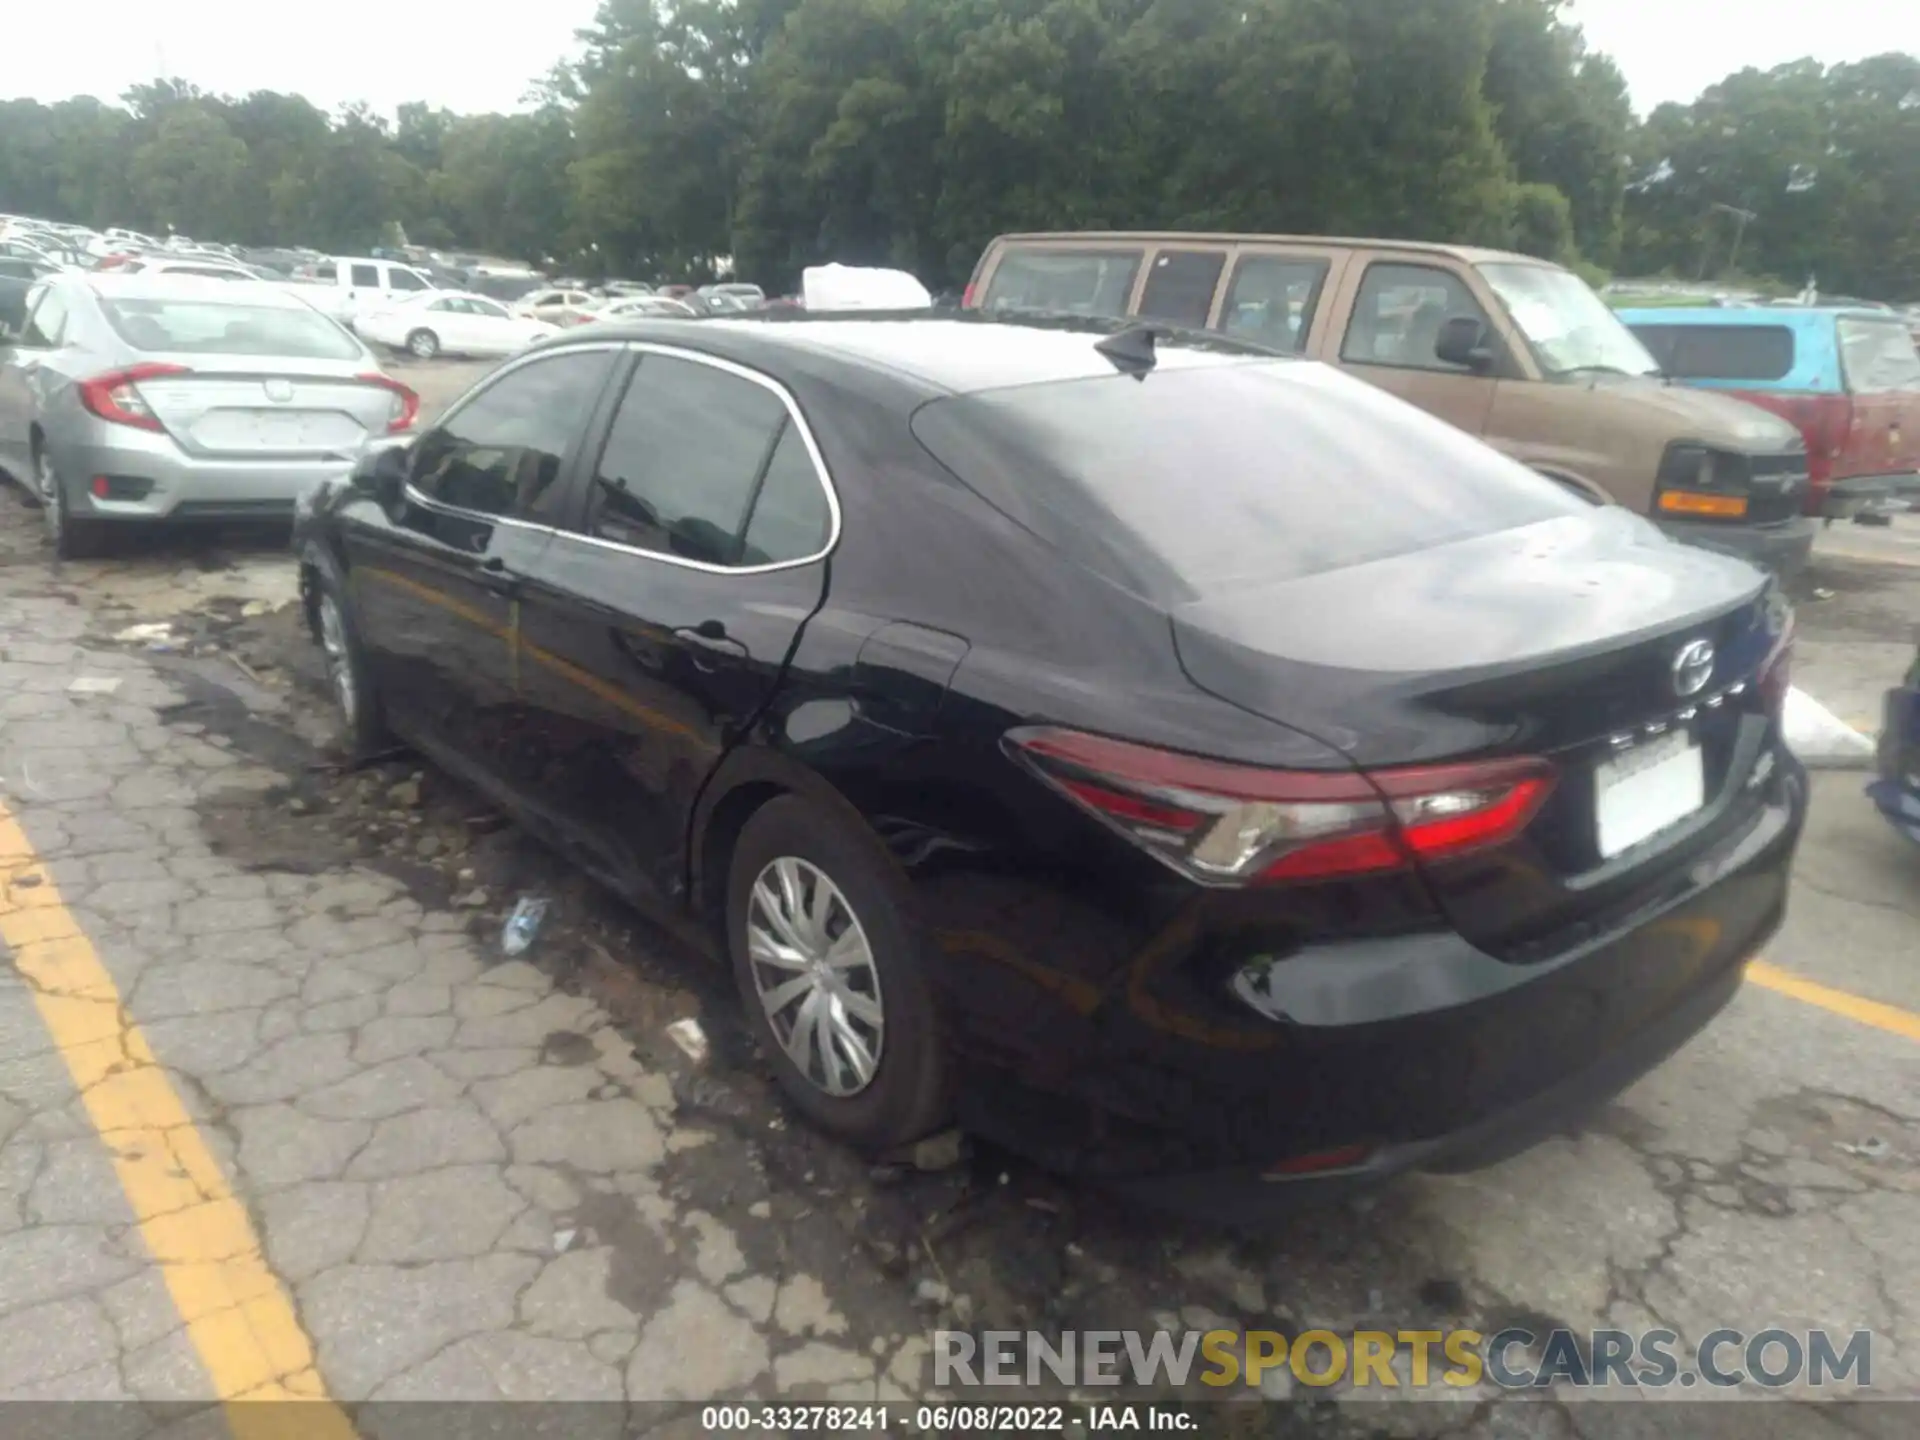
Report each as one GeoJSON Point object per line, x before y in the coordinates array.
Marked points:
{"type": "Point", "coordinates": [274, 430]}
{"type": "Point", "coordinates": [1642, 791]}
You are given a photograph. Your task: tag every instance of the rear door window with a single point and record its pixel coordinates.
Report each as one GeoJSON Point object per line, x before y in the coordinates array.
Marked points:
{"type": "Point", "coordinates": [1720, 352]}
{"type": "Point", "coordinates": [1397, 317]}
{"type": "Point", "coordinates": [1180, 286]}
{"type": "Point", "coordinates": [1273, 298]}
{"type": "Point", "coordinates": [1085, 282]}
{"type": "Point", "coordinates": [683, 460]}
{"type": "Point", "coordinates": [366, 275]}
{"type": "Point", "coordinates": [1877, 356]}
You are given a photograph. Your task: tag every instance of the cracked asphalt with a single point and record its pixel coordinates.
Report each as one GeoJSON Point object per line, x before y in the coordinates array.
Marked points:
{"type": "Point", "coordinates": [277, 1119]}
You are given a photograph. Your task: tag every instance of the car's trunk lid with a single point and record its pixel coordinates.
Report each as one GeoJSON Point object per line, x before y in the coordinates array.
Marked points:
{"type": "Point", "coordinates": [1560, 639]}
{"type": "Point", "coordinates": [230, 407]}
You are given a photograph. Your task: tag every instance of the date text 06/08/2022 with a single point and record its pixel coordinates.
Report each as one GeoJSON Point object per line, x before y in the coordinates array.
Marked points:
{"type": "Point", "coordinates": [942, 1419]}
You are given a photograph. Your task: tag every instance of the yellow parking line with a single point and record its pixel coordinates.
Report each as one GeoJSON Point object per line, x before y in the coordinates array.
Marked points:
{"type": "Point", "coordinates": [237, 1313]}
{"type": "Point", "coordinates": [1881, 1016]}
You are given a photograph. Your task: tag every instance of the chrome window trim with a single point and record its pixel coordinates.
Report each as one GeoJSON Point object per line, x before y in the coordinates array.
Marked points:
{"type": "Point", "coordinates": [650, 347]}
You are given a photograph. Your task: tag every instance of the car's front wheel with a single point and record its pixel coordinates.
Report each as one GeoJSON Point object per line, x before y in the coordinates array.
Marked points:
{"type": "Point", "coordinates": [71, 538]}
{"type": "Point", "coordinates": [832, 975]}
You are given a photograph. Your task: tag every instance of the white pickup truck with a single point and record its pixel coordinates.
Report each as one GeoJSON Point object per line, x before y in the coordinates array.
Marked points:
{"type": "Point", "coordinates": [343, 285]}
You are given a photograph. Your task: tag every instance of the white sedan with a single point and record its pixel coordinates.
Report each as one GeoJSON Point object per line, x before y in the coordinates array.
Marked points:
{"type": "Point", "coordinates": [450, 322]}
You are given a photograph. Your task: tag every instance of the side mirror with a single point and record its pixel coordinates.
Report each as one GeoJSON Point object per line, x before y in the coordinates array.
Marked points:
{"type": "Point", "coordinates": [1464, 341]}
{"type": "Point", "coordinates": [382, 472]}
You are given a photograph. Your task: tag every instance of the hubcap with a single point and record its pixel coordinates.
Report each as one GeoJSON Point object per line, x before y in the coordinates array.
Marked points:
{"type": "Point", "coordinates": [423, 345]}
{"type": "Point", "coordinates": [333, 641]}
{"type": "Point", "coordinates": [813, 971]}
{"type": "Point", "coordinates": [53, 505]}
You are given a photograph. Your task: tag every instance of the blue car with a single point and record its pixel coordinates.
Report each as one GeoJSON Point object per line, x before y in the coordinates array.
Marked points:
{"type": "Point", "coordinates": [1897, 791]}
{"type": "Point", "coordinates": [1848, 377]}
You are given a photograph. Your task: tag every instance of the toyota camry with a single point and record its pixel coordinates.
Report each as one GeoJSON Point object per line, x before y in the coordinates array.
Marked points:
{"type": "Point", "coordinates": [1190, 767]}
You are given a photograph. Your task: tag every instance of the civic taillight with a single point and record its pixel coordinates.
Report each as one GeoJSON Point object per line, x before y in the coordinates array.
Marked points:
{"type": "Point", "coordinates": [1221, 823]}
{"type": "Point", "coordinates": [115, 396]}
{"type": "Point", "coordinates": [404, 408]}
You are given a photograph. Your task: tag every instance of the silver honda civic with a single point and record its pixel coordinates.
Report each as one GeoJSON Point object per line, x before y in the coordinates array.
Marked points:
{"type": "Point", "coordinates": [143, 398]}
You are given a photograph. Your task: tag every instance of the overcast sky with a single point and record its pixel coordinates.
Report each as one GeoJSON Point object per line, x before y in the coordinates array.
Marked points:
{"type": "Point", "coordinates": [469, 55]}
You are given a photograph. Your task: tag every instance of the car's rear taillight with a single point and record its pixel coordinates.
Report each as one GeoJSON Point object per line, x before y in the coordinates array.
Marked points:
{"type": "Point", "coordinates": [1776, 671]}
{"type": "Point", "coordinates": [1227, 824]}
{"type": "Point", "coordinates": [405, 407]}
{"type": "Point", "coordinates": [115, 396]}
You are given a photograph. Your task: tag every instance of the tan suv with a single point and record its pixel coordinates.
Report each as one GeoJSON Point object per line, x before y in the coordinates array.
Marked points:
{"type": "Point", "coordinates": [1517, 351]}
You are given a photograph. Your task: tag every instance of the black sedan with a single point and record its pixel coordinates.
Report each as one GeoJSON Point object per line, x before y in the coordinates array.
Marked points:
{"type": "Point", "coordinates": [1191, 767]}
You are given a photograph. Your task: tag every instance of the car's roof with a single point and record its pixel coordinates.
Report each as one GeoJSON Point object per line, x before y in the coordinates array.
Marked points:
{"type": "Point", "coordinates": [1471, 254]}
{"type": "Point", "coordinates": [956, 352]}
{"type": "Point", "coordinates": [1775, 315]}
{"type": "Point", "coordinates": [146, 285]}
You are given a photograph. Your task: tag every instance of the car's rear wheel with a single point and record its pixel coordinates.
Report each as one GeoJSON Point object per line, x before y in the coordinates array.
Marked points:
{"type": "Point", "coordinates": [71, 538]}
{"type": "Point", "coordinates": [832, 975]}
{"type": "Point", "coordinates": [423, 344]}
{"type": "Point", "coordinates": [349, 678]}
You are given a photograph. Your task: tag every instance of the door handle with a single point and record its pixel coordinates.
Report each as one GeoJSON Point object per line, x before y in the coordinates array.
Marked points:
{"type": "Point", "coordinates": [495, 576]}
{"type": "Point", "coordinates": [711, 635]}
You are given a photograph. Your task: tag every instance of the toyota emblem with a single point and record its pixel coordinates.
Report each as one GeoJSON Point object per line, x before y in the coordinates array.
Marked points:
{"type": "Point", "coordinates": [1692, 667]}
{"type": "Point", "coordinates": [279, 391]}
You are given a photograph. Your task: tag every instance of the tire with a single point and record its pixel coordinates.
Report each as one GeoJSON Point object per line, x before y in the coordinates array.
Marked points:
{"type": "Point", "coordinates": [903, 1095]}
{"type": "Point", "coordinates": [71, 538]}
{"type": "Point", "coordinates": [423, 344]}
{"type": "Point", "coordinates": [363, 729]}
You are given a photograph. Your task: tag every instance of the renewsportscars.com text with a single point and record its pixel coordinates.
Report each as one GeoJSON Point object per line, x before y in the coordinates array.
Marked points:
{"type": "Point", "coordinates": [1407, 1359]}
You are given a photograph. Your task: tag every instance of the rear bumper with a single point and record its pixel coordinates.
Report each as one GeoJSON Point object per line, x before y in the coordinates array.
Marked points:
{"type": "Point", "coordinates": [1411, 1052]}
{"type": "Point", "coordinates": [182, 487]}
{"type": "Point", "coordinates": [1783, 546]}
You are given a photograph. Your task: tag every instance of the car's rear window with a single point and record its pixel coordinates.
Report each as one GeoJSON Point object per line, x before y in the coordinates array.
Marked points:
{"type": "Point", "coordinates": [1084, 282]}
{"type": "Point", "coordinates": [209, 327]}
{"type": "Point", "coordinates": [1197, 480]}
{"type": "Point", "coordinates": [1720, 352]}
{"type": "Point", "coordinates": [1877, 356]}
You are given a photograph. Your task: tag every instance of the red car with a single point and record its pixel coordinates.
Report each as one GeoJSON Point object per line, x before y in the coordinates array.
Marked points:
{"type": "Point", "coordinates": [1848, 377]}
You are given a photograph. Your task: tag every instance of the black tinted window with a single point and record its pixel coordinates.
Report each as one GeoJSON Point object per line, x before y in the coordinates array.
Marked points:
{"type": "Point", "coordinates": [406, 280]}
{"type": "Point", "coordinates": [501, 454]}
{"type": "Point", "coordinates": [1720, 352]}
{"type": "Point", "coordinates": [790, 519]}
{"type": "Point", "coordinates": [1273, 299]}
{"type": "Point", "coordinates": [1180, 286]}
{"type": "Point", "coordinates": [1088, 282]}
{"type": "Point", "coordinates": [1202, 478]}
{"type": "Point", "coordinates": [685, 452]}
{"type": "Point", "coordinates": [366, 275]}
